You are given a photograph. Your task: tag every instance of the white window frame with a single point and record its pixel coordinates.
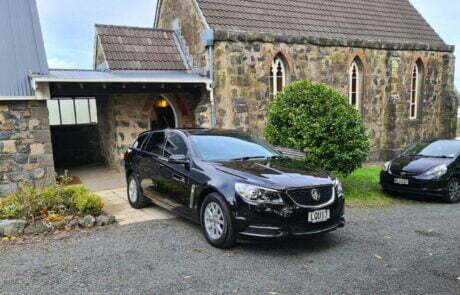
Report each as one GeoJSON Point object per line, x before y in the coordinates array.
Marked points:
{"type": "Point", "coordinates": [414, 91]}
{"type": "Point", "coordinates": [278, 62]}
{"type": "Point", "coordinates": [92, 112]}
{"type": "Point", "coordinates": [355, 66]}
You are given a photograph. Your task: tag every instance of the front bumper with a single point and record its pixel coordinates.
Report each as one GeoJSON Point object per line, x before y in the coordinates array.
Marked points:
{"type": "Point", "coordinates": [259, 222]}
{"type": "Point", "coordinates": [418, 185]}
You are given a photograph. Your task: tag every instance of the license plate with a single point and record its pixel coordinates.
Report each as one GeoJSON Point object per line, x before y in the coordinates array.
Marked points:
{"type": "Point", "coordinates": [402, 181]}
{"type": "Point", "coordinates": [319, 216]}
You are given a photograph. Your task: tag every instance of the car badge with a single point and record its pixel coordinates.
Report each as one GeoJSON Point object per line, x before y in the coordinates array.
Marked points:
{"type": "Point", "coordinates": [315, 194]}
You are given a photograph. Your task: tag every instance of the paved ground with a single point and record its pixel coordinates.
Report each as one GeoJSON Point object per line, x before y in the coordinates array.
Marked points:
{"type": "Point", "coordinates": [116, 203]}
{"type": "Point", "coordinates": [406, 250]}
{"type": "Point", "coordinates": [110, 185]}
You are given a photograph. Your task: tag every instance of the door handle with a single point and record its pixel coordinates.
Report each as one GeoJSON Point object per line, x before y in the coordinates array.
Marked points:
{"type": "Point", "coordinates": [179, 178]}
{"type": "Point", "coordinates": [161, 165]}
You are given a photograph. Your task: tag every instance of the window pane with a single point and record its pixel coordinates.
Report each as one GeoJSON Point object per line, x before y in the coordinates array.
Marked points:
{"type": "Point", "coordinates": [93, 110]}
{"type": "Point", "coordinates": [67, 111]}
{"type": "Point", "coordinates": [82, 111]}
{"type": "Point", "coordinates": [155, 144]}
{"type": "Point", "coordinates": [53, 109]}
{"type": "Point", "coordinates": [175, 146]}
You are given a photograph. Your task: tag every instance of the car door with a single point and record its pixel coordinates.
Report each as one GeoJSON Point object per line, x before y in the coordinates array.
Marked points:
{"type": "Point", "coordinates": [176, 175]}
{"type": "Point", "coordinates": [149, 168]}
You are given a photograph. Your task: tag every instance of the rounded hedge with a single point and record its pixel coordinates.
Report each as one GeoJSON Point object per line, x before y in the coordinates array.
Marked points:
{"type": "Point", "coordinates": [318, 120]}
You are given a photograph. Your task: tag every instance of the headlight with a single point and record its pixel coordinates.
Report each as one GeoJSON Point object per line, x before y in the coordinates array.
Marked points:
{"type": "Point", "coordinates": [386, 166]}
{"type": "Point", "coordinates": [437, 171]}
{"type": "Point", "coordinates": [339, 188]}
{"type": "Point", "coordinates": [256, 195]}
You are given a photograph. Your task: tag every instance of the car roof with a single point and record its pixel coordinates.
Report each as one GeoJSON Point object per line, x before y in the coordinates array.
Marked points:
{"type": "Point", "coordinates": [204, 131]}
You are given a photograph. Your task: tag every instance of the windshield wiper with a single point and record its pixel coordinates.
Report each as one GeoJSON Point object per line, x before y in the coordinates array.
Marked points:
{"type": "Point", "coordinates": [249, 158]}
{"type": "Point", "coordinates": [440, 157]}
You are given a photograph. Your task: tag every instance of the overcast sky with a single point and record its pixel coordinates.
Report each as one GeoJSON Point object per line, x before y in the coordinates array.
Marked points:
{"type": "Point", "coordinates": [68, 25]}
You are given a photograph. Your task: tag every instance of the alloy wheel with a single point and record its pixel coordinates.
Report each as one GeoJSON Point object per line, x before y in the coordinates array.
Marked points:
{"type": "Point", "coordinates": [454, 190]}
{"type": "Point", "coordinates": [214, 221]}
{"type": "Point", "coordinates": [132, 191]}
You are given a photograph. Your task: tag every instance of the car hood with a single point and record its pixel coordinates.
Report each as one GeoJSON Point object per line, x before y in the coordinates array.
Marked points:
{"type": "Point", "coordinates": [417, 164]}
{"type": "Point", "coordinates": [279, 173]}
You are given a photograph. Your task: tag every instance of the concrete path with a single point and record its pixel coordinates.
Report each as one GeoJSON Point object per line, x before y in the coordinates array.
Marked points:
{"type": "Point", "coordinates": [116, 203]}
{"type": "Point", "coordinates": [110, 185]}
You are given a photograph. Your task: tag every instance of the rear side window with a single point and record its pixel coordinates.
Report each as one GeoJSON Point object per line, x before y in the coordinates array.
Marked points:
{"type": "Point", "coordinates": [175, 145]}
{"type": "Point", "coordinates": [139, 141]}
{"type": "Point", "coordinates": [155, 143]}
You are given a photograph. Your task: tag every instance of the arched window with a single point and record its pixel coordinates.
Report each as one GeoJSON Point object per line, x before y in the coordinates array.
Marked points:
{"type": "Point", "coordinates": [277, 76]}
{"type": "Point", "coordinates": [356, 82]}
{"type": "Point", "coordinates": [416, 85]}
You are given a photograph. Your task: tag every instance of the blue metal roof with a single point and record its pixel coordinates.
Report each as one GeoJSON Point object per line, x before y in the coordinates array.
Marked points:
{"type": "Point", "coordinates": [22, 51]}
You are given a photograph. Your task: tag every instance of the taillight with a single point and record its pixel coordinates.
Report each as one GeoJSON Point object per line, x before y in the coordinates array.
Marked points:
{"type": "Point", "coordinates": [125, 157]}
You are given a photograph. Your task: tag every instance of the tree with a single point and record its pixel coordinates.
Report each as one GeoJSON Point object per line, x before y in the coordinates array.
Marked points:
{"type": "Point", "coordinates": [319, 121]}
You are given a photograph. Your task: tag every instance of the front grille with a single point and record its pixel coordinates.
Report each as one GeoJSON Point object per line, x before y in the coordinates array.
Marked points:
{"type": "Point", "coordinates": [304, 196]}
{"type": "Point", "coordinates": [403, 173]}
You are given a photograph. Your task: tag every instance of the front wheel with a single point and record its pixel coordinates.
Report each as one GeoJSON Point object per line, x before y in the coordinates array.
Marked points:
{"type": "Point", "coordinates": [216, 222]}
{"type": "Point", "coordinates": [452, 194]}
{"type": "Point", "coordinates": [135, 196]}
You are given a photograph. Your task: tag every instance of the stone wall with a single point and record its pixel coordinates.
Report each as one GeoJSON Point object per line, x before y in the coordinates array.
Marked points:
{"type": "Point", "coordinates": [186, 14]}
{"type": "Point", "coordinates": [242, 87]}
{"type": "Point", "coordinates": [26, 156]}
{"type": "Point", "coordinates": [123, 117]}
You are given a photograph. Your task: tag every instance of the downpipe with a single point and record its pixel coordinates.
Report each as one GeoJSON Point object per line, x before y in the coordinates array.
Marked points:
{"type": "Point", "coordinates": [210, 87]}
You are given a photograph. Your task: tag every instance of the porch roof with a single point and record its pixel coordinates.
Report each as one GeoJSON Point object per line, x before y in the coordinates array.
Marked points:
{"type": "Point", "coordinates": [92, 76]}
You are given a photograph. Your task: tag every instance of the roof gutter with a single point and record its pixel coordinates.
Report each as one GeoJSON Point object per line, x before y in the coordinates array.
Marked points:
{"type": "Point", "coordinates": [51, 79]}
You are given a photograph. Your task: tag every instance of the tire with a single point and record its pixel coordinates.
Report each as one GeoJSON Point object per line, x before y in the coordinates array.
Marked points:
{"type": "Point", "coordinates": [452, 194]}
{"type": "Point", "coordinates": [217, 222]}
{"type": "Point", "coordinates": [135, 196]}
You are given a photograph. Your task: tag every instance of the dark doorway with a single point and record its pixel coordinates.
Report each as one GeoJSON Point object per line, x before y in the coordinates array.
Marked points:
{"type": "Point", "coordinates": [162, 116]}
{"type": "Point", "coordinates": [76, 145]}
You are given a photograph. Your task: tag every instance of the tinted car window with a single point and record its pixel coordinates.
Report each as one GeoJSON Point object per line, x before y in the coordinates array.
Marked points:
{"type": "Point", "coordinates": [139, 141]}
{"type": "Point", "coordinates": [226, 147]}
{"type": "Point", "coordinates": [175, 145]}
{"type": "Point", "coordinates": [155, 143]}
{"type": "Point", "coordinates": [440, 148]}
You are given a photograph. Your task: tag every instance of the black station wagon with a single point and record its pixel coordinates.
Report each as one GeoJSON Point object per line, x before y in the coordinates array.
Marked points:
{"type": "Point", "coordinates": [232, 184]}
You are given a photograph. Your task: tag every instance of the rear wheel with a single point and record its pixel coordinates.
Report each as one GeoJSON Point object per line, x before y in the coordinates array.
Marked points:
{"type": "Point", "coordinates": [452, 194]}
{"type": "Point", "coordinates": [216, 222]}
{"type": "Point", "coordinates": [135, 196]}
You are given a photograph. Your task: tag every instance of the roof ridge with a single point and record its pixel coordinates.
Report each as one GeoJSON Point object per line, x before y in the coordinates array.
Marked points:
{"type": "Point", "coordinates": [132, 27]}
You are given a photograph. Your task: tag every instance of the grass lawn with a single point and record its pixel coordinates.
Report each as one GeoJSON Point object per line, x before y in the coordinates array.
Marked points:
{"type": "Point", "coordinates": [362, 189]}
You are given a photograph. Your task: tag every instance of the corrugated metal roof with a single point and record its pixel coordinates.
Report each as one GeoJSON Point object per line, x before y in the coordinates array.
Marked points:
{"type": "Point", "coordinates": [89, 76]}
{"type": "Point", "coordinates": [21, 47]}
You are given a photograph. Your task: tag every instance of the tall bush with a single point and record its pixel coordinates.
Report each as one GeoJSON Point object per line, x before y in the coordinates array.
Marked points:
{"type": "Point", "coordinates": [318, 120]}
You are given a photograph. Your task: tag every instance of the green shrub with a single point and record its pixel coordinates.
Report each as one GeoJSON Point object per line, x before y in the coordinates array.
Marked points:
{"type": "Point", "coordinates": [32, 203]}
{"type": "Point", "coordinates": [86, 202]}
{"type": "Point", "coordinates": [318, 120]}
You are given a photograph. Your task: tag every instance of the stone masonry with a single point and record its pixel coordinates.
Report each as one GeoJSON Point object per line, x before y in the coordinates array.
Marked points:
{"type": "Point", "coordinates": [242, 87]}
{"type": "Point", "coordinates": [26, 156]}
{"type": "Point", "coordinates": [123, 117]}
{"type": "Point", "coordinates": [242, 61]}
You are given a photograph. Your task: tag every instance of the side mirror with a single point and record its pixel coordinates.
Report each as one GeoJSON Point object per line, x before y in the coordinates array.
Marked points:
{"type": "Point", "coordinates": [178, 159]}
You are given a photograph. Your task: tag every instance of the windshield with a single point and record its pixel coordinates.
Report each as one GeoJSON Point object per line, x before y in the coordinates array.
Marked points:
{"type": "Point", "coordinates": [226, 147]}
{"type": "Point", "coordinates": [441, 148]}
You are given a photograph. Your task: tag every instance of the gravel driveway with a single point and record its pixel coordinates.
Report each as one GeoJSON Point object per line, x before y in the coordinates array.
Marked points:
{"type": "Point", "coordinates": [405, 250]}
